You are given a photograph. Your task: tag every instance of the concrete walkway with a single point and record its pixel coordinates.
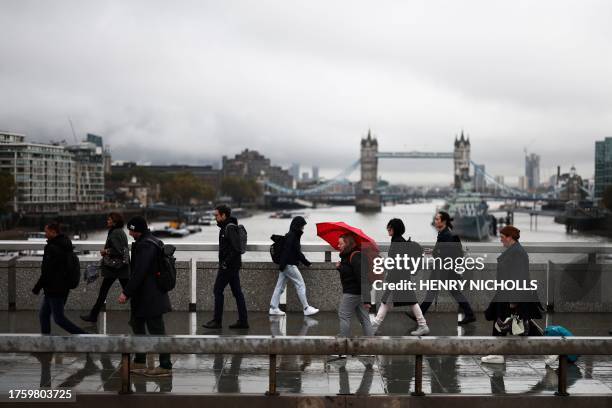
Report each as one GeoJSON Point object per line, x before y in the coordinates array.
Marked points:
{"type": "Point", "coordinates": [307, 375]}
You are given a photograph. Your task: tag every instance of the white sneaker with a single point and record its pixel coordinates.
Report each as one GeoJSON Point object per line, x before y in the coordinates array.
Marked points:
{"type": "Point", "coordinates": [420, 331]}
{"type": "Point", "coordinates": [493, 359]}
{"type": "Point", "coordinates": [309, 311]}
{"type": "Point", "coordinates": [310, 322]}
{"type": "Point", "coordinates": [275, 311]}
{"type": "Point", "coordinates": [551, 360]}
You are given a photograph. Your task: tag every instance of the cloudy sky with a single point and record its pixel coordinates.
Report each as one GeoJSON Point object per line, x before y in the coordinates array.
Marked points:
{"type": "Point", "coordinates": [189, 81]}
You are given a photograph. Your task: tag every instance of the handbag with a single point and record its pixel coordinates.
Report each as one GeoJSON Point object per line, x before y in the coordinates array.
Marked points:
{"type": "Point", "coordinates": [115, 262]}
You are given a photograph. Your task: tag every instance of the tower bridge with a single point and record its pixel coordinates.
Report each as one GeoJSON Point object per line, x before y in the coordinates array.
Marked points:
{"type": "Point", "coordinates": [368, 197]}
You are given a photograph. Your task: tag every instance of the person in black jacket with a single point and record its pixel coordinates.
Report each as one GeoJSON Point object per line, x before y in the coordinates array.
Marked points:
{"type": "Point", "coordinates": [54, 281]}
{"type": "Point", "coordinates": [290, 258]}
{"type": "Point", "coordinates": [230, 262]}
{"type": "Point", "coordinates": [390, 298]}
{"type": "Point", "coordinates": [355, 287]}
{"type": "Point", "coordinates": [148, 303]}
{"type": "Point", "coordinates": [115, 263]}
{"type": "Point", "coordinates": [447, 245]}
{"type": "Point", "coordinates": [512, 264]}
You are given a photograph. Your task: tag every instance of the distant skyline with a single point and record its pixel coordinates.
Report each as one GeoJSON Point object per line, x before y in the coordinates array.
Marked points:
{"type": "Point", "coordinates": [190, 81]}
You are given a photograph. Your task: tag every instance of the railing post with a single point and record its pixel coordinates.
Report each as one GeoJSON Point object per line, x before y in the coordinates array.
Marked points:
{"type": "Point", "coordinates": [126, 380]}
{"type": "Point", "coordinates": [272, 379]}
{"type": "Point", "coordinates": [418, 377]}
{"type": "Point", "coordinates": [562, 377]}
{"type": "Point", "coordinates": [327, 256]}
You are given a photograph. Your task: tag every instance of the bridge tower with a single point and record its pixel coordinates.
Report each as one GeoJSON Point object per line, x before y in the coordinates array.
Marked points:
{"type": "Point", "coordinates": [462, 162]}
{"type": "Point", "coordinates": [368, 199]}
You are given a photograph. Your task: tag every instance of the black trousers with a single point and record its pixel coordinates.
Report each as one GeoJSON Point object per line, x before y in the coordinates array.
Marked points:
{"type": "Point", "coordinates": [155, 326]}
{"type": "Point", "coordinates": [104, 288]}
{"type": "Point", "coordinates": [226, 277]}
{"type": "Point", "coordinates": [54, 306]}
{"type": "Point", "coordinates": [456, 294]}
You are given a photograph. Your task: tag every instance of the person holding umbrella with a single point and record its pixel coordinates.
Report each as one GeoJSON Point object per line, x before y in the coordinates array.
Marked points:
{"type": "Point", "coordinates": [355, 287]}
{"type": "Point", "coordinates": [352, 243]}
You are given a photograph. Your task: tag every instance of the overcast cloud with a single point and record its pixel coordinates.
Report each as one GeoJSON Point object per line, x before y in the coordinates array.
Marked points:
{"type": "Point", "coordinates": [190, 81]}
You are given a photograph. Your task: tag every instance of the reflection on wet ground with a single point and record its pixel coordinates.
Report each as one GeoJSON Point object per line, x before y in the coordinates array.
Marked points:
{"type": "Point", "coordinates": [307, 374]}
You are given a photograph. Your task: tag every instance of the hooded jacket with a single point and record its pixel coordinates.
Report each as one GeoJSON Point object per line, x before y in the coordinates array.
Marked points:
{"type": "Point", "coordinates": [53, 278]}
{"type": "Point", "coordinates": [352, 275]}
{"type": "Point", "coordinates": [147, 300]}
{"type": "Point", "coordinates": [292, 249]}
{"type": "Point", "coordinates": [229, 257]}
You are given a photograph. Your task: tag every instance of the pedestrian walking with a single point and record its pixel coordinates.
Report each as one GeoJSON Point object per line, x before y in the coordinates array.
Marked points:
{"type": "Point", "coordinates": [400, 246]}
{"type": "Point", "coordinates": [55, 281]}
{"type": "Point", "coordinates": [512, 311]}
{"type": "Point", "coordinates": [290, 258]}
{"type": "Point", "coordinates": [448, 245]}
{"type": "Point", "coordinates": [148, 302]}
{"type": "Point", "coordinates": [230, 262]}
{"type": "Point", "coordinates": [355, 299]}
{"type": "Point", "coordinates": [115, 263]}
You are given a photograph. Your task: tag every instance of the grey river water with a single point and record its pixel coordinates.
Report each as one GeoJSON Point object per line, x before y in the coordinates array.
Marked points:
{"type": "Point", "coordinates": [417, 218]}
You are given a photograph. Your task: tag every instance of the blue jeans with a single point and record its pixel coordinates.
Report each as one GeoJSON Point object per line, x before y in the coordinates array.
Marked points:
{"type": "Point", "coordinates": [292, 273]}
{"type": "Point", "coordinates": [54, 305]}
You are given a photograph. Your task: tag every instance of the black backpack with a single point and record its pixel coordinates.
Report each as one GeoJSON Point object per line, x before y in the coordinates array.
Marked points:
{"type": "Point", "coordinates": [242, 237]}
{"type": "Point", "coordinates": [276, 249]}
{"type": "Point", "coordinates": [73, 270]}
{"type": "Point", "coordinates": [165, 276]}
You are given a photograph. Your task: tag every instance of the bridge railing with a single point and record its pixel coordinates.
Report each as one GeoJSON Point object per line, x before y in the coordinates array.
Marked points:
{"type": "Point", "coordinates": [311, 345]}
{"type": "Point", "coordinates": [587, 254]}
{"type": "Point", "coordinates": [480, 247]}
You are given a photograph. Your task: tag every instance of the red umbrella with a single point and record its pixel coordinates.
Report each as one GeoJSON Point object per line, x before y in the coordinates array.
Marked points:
{"type": "Point", "coordinates": [332, 231]}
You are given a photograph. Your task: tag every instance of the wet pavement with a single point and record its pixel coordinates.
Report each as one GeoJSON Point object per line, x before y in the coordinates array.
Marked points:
{"type": "Point", "coordinates": [307, 374]}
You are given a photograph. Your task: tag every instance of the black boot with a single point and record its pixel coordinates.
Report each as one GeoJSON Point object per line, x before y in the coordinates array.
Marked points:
{"type": "Point", "coordinates": [213, 324]}
{"type": "Point", "coordinates": [239, 325]}
{"type": "Point", "coordinates": [89, 318]}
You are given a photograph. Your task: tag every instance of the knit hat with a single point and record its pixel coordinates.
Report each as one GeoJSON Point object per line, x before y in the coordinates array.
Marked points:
{"type": "Point", "coordinates": [138, 224]}
{"type": "Point", "coordinates": [511, 231]}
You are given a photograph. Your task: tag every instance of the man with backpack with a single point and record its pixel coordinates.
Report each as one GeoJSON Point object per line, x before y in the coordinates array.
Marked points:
{"type": "Point", "coordinates": [232, 242]}
{"type": "Point", "coordinates": [289, 257]}
{"type": "Point", "coordinates": [149, 299]}
{"type": "Point", "coordinates": [57, 277]}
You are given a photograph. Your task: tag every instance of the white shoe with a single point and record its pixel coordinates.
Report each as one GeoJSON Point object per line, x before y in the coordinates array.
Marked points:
{"type": "Point", "coordinates": [310, 322]}
{"type": "Point", "coordinates": [309, 311]}
{"type": "Point", "coordinates": [493, 359]}
{"type": "Point", "coordinates": [420, 331]}
{"type": "Point", "coordinates": [551, 360]}
{"type": "Point", "coordinates": [375, 325]}
{"type": "Point", "coordinates": [275, 311]}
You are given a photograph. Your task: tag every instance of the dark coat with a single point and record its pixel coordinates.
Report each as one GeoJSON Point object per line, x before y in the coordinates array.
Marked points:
{"type": "Point", "coordinates": [352, 276]}
{"type": "Point", "coordinates": [54, 269]}
{"type": "Point", "coordinates": [147, 300]}
{"type": "Point", "coordinates": [292, 249]}
{"type": "Point", "coordinates": [448, 245]}
{"type": "Point", "coordinates": [513, 264]}
{"type": "Point", "coordinates": [401, 246]}
{"type": "Point", "coordinates": [230, 258]}
{"type": "Point", "coordinates": [116, 244]}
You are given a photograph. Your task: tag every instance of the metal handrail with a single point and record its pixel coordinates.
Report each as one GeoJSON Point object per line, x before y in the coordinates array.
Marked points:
{"type": "Point", "coordinates": [485, 247]}
{"type": "Point", "coordinates": [304, 345]}
{"type": "Point", "coordinates": [309, 345]}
